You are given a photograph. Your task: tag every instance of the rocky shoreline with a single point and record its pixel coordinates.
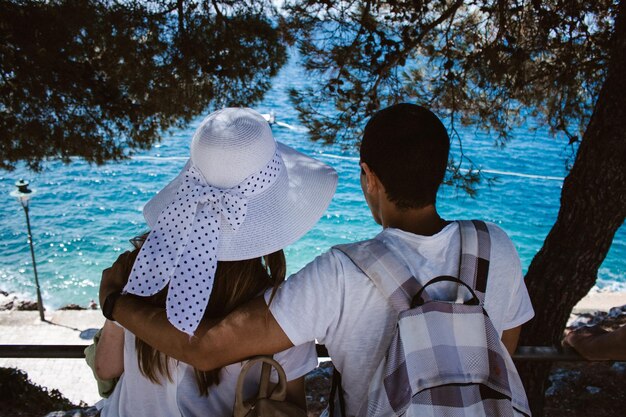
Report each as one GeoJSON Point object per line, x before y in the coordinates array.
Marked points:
{"type": "Point", "coordinates": [14, 302]}
{"type": "Point", "coordinates": [10, 301]}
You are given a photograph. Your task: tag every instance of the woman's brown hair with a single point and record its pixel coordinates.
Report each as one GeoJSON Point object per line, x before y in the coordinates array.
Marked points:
{"type": "Point", "coordinates": [236, 282]}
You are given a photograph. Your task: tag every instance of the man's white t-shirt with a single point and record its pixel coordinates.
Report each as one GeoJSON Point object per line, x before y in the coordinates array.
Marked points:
{"type": "Point", "coordinates": [330, 300]}
{"type": "Point", "coordinates": [137, 396]}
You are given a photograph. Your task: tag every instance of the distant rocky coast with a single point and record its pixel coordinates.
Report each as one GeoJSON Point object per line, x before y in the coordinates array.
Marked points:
{"type": "Point", "coordinates": [13, 301]}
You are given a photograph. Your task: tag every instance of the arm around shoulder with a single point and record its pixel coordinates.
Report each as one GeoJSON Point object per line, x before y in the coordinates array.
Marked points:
{"type": "Point", "coordinates": [251, 329]}
{"type": "Point", "coordinates": [248, 331]}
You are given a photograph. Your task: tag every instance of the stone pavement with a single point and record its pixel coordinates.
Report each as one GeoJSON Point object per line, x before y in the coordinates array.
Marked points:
{"type": "Point", "coordinates": [72, 377]}
{"type": "Point", "coordinates": [600, 301]}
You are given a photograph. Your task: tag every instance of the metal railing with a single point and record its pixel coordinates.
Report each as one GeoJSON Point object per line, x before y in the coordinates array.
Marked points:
{"type": "Point", "coordinates": [523, 353]}
{"type": "Point", "coordinates": [43, 351]}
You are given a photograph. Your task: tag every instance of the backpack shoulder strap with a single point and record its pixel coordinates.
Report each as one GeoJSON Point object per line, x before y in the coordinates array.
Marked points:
{"type": "Point", "coordinates": [390, 275]}
{"type": "Point", "coordinates": [475, 255]}
{"type": "Point", "coordinates": [379, 264]}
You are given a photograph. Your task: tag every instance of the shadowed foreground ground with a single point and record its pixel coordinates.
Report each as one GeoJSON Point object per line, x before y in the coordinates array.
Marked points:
{"type": "Point", "coordinates": [579, 389]}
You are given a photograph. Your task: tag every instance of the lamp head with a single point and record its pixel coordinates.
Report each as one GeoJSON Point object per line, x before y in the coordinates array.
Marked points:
{"type": "Point", "coordinates": [22, 192]}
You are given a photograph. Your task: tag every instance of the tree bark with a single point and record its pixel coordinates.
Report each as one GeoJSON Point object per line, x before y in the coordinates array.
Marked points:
{"type": "Point", "coordinates": [593, 207]}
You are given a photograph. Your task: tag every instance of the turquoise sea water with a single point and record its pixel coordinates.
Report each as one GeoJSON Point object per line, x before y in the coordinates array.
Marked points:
{"type": "Point", "coordinates": [83, 215]}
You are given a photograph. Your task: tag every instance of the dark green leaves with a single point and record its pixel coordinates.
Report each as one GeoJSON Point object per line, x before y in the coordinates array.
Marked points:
{"type": "Point", "coordinates": [97, 79]}
{"type": "Point", "coordinates": [489, 63]}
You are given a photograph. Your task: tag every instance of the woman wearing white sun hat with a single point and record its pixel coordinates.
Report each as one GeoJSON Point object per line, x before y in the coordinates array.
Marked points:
{"type": "Point", "coordinates": [216, 240]}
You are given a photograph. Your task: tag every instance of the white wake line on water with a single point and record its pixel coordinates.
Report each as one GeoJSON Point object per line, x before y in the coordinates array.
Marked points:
{"type": "Point", "coordinates": [519, 174]}
{"type": "Point", "coordinates": [487, 171]}
{"type": "Point", "coordinates": [159, 158]}
{"type": "Point", "coordinates": [347, 158]}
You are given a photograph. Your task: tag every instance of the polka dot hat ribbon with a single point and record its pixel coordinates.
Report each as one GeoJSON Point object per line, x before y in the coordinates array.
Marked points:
{"type": "Point", "coordinates": [182, 247]}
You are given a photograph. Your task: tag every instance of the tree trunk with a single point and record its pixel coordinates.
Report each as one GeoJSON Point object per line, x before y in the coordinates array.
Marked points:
{"type": "Point", "coordinates": [593, 207]}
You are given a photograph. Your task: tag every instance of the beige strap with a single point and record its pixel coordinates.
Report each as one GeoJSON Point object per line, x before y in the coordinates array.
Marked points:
{"type": "Point", "coordinates": [264, 385]}
{"type": "Point", "coordinates": [279, 393]}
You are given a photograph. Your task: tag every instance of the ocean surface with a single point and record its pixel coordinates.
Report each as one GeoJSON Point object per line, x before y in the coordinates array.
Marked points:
{"type": "Point", "coordinates": [83, 215]}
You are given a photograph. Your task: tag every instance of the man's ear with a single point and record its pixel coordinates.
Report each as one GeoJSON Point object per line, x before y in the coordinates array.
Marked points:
{"type": "Point", "coordinates": [371, 180]}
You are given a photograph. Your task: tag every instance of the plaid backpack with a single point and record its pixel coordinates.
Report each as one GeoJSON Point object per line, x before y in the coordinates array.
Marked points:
{"type": "Point", "coordinates": [445, 357]}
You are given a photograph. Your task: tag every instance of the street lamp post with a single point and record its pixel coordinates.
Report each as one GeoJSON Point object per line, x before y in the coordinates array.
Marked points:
{"type": "Point", "coordinates": [24, 194]}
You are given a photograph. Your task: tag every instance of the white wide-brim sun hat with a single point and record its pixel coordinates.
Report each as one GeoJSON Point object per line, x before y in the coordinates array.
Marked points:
{"type": "Point", "coordinates": [230, 145]}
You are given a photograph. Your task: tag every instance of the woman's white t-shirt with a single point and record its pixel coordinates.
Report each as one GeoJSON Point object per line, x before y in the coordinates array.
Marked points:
{"type": "Point", "coordinates": [137, 396]}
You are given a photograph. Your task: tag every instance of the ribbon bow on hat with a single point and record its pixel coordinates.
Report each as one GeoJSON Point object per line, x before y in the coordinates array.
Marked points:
{"type": "Point", "coordinates": [182, 247]}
